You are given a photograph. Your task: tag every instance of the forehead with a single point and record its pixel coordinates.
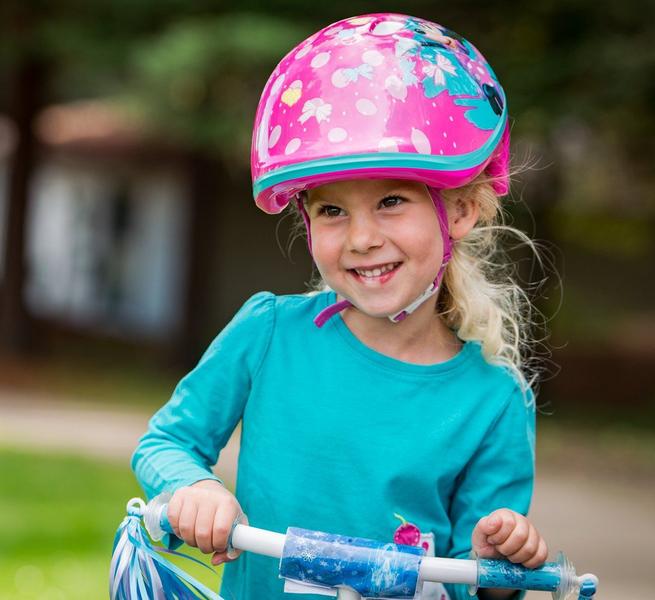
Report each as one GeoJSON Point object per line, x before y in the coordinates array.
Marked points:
{"type": "Point", "coordinates": [363, 188]}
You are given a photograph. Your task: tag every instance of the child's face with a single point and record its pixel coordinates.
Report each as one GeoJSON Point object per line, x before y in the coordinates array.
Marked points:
{"type": "Point", "coordinates": [375, 242]}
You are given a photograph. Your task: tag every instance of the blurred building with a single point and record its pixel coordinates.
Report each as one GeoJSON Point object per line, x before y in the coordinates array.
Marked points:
{"type": "Point", "coordinates": [122, 241]}
{"type": "Point", "coordinates": [107, 230]}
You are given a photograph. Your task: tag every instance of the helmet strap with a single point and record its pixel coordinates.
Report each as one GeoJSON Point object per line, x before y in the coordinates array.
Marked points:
{"type": "Point", "coordinates": [442, 216]}
{"type": "Point", "coordinates": [305, 217]}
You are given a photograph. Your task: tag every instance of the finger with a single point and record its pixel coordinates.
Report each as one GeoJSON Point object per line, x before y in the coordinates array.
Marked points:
{"type": "Point", "coordinates": [220, 532]}
{"type": "Point", "coordinates": [173, 513]}
{"type": "Point", "coordinates": [488, 551]}
{"type": "Point", "coordinates": [224, 556]}
{"type": "Point", "coordinates": [528, 549]}
{"type": "Point", "coordinates": [540, 556]}
{"type": "Point", "coordinates": [219, 558]}
{"type": "Point", "coordinates": [481, 532]}
{"type": "Point", "coordinates": [204, 527]}
{"type": "Point", "coordinates": [491, 523]}
{"type": "Point", "coordinates": [508, 523]}
{"type": "Point", "coordinates": [516, 539]}
{"type": "Point", "coordinates": [187, 523]}
{"type": "Point", "coordinates": [478, 538]}
{"type": "Point", "coordinates": [242, 519]}
{"type": "Point", "coordinates": [228, 554]}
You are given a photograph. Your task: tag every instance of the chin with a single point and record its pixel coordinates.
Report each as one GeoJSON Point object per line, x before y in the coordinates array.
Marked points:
{"type": "Point", "coordinates": [379, 311]}
{"type": "Point", "coordinates": [376, 314]}
{"type": "Point", "coordinates": [371, 304]}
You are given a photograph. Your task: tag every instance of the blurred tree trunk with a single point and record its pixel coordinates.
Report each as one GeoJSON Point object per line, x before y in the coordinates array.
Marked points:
{"type": "Point", "coordinates": [27, 89]}
{"type": "Point", "coordinates": [205, 198]}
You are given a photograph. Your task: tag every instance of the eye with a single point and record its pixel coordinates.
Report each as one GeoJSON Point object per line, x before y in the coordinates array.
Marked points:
{"type": "Point", "coordinates": [391, 201]}
{"type": "Point", "coordinates": [329, 210]}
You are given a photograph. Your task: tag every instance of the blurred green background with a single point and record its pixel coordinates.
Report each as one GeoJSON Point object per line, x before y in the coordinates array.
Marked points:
{"type": "Point", "coordinates": [128, 238]}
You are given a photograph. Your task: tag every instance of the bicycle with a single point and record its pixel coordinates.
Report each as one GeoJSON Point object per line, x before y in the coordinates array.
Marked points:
{"type": "Point", "coordinates": [355, 567]}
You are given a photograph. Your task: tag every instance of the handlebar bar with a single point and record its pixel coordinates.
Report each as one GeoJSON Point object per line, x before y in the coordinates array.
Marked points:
{"type": "Point", "coordinates": [557, 577]}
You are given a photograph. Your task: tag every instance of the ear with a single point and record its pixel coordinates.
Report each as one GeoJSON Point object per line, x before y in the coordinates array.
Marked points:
{"type": "Point", "coordinates": [463, 214]}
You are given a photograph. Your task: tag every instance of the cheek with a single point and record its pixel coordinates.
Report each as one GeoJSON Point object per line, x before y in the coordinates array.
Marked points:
{"type": "Point", "coordinates": [428, 257]}
{"type": "Point", "coordinates": [430, 235]}
{"type": "Point", "coordinates": [423, 243]}
{"type": "Point", "coordinates": [325, 251]}
{"type": "Point", "coordinates": [434, 247]}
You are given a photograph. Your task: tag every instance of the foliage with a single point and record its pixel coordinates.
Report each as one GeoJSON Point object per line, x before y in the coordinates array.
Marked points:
{"type": "Point", "coordinates": [200, 80]}
{"type": "Point", "coordinates": [60, 514]}
{"type": "Point", "coordinates": [199, 66]}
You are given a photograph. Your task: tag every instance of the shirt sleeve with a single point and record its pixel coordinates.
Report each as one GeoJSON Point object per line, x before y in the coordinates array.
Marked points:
{"type": "Point", "coordinates": [499, 475]}
{"type": "Point", "coordinates": [185, 436]}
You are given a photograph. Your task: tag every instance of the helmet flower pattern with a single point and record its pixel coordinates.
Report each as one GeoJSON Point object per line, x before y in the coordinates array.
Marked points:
{"type": "Point", "coordinates": [405, 46]}
{"type": "Point", "coordinates": [317, 108]}
{"type": "Point", "coordinates": [292, 94]}
{"type": "Point", "coordinates": [352, 36]}
{"type": "Point", "coordinates": [437, 71]}
{"type": "Point", "coordinates": [407, 69]}
{"type": "Point", "coordinates": [342, 77]}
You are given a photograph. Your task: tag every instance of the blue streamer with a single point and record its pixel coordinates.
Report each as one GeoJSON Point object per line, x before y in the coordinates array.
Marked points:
{"type": "Point", "coordinates": [139, 572]}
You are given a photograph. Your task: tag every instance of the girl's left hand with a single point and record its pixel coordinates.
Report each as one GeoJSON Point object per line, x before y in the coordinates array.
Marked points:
{"type": "Point", "coordinates": [507, 534]}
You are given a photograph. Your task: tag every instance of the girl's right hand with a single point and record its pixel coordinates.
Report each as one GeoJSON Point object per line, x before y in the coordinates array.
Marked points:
{"type": "Point", "coordinates": [202, 515]}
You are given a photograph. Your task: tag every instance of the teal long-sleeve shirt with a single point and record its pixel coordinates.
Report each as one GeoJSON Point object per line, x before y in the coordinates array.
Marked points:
{"type": "Point", "coordinates": [337, 437]}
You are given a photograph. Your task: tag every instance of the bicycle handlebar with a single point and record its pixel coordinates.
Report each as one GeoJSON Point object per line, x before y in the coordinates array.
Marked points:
{"type": "Point", "coordinates": [558, 577]}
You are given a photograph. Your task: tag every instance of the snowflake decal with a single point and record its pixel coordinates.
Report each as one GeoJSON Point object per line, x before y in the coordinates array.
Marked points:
{"type": "Point", "coordinates": [308, 555]}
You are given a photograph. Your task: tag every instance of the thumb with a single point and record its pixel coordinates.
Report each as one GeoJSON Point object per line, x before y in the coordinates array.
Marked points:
{"type": "Point", "coordinates": [480, 533]}
{"type": "Point", "coordinates": [479, 538]}
{"type": "Point", "coordinates": [232, 553]}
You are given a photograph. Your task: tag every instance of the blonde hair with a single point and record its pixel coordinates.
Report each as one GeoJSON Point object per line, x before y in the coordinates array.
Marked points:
{"type": "Point", "coordinates": [481, 298]}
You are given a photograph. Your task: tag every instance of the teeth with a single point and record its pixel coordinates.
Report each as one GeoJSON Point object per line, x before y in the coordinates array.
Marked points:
{"type": "Point", "coordinates": [375, 272]}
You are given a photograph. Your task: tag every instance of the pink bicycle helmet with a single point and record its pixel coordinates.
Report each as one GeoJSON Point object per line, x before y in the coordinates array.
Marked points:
{"type": "Point", "coordinates": [379, 95]}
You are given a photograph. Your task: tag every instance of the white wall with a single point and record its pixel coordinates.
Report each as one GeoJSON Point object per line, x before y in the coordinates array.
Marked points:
{"type": "Point", "coordinates": [82, 272]}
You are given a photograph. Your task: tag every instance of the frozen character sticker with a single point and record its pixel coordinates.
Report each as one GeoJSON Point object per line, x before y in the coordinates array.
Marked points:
{"type": "Point", "coordinates": [453, 64]}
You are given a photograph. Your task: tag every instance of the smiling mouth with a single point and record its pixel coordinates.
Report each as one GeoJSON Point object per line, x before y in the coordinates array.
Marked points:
{"type": "Point", "coordinates": [378, 273]}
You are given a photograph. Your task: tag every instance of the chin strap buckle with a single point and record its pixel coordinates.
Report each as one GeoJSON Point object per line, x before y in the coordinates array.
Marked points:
{"type": "Point", "coordinates": [408, 310]}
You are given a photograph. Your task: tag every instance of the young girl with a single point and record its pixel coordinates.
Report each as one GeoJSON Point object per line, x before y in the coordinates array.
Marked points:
{"type": "Point", "coordinates": [400, 389]}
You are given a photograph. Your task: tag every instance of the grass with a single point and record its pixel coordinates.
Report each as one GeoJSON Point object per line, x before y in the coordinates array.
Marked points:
{"type": "Point", "coordinates": [59, 517]}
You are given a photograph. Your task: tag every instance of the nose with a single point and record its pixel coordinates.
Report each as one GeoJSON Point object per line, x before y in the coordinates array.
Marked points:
{"type": "Point", "coordinates": [364, 233]}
